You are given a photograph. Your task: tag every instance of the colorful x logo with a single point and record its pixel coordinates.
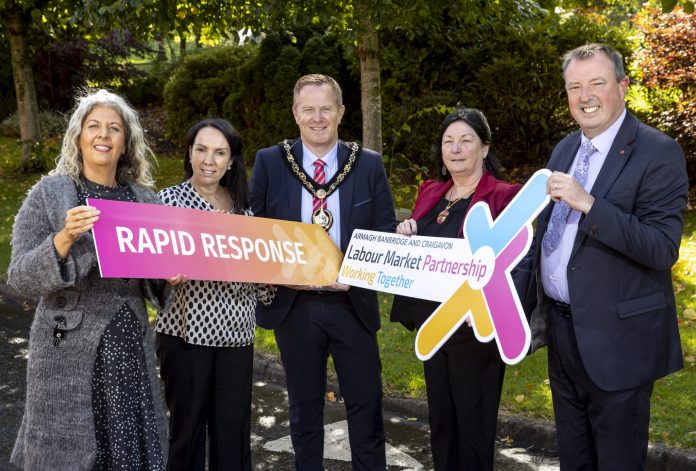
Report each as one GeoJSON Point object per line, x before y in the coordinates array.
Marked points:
{"type": "Point", "coordinates": [494, 309]}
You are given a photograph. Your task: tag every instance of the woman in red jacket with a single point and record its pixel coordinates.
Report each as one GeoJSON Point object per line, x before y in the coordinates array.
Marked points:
{"type": "Point", "coordinates": [464, 378]}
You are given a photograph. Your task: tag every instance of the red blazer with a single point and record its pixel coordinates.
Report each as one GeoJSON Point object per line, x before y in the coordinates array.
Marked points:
{"type": "Point", "coordinates": [496, 193]}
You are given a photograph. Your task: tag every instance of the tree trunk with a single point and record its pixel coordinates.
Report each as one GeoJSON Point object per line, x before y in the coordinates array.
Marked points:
{"type": "Point", "coordinates": [161, 52]}
{"type": "Point", "coordinates": [172, 52]}
{"type": "Point", "coordinates": [25, 89]}
{"type": "Point", "coordinates": [370, 88]}
{"type": "Point", "coordinates": [182, 45]}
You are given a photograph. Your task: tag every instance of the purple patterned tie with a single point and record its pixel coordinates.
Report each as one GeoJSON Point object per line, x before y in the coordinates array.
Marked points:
{"type": "Point", "coordinates": [561, 210]}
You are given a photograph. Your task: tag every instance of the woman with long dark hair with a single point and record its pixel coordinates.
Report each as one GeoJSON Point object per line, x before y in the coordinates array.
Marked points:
{"type": "Point", "coordinates": [206, 338]}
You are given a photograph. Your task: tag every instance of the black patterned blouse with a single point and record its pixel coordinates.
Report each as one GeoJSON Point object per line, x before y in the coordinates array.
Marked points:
{"type": "Point", "coordinates": [210, 313]}
{"type": "Point", "coordinates": [122, 399]}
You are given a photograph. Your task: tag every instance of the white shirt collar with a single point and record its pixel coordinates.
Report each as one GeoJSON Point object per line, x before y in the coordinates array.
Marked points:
{"type": "Point", "coordinates": [331, 157]}
{"type": "Point", "coordinates": [602, 142]}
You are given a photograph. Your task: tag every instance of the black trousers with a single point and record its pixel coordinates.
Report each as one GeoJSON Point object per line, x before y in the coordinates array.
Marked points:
{"type": "Point", "coordinates": [464, 380]}
{"type": "Point", "coordinates": [207, 387]}
{"type": "Point", "coordinates": [316, 326]}
{"type": "Point", "coordinates": [596, 429]}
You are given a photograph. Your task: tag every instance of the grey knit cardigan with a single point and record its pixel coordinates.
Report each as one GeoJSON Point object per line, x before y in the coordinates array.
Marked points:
{"type": "Point", "coordinates": [57, 430]}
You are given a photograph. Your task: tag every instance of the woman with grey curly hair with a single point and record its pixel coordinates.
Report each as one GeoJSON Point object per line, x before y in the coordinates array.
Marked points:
{"type": "Point", "coordinates": [93, 399]}
{"type": "Point", "coordinates": [134, 163]}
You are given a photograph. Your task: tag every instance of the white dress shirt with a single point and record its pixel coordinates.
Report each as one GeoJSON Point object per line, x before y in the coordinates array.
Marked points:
{"type": "Point", "coordinates": [332, 202]}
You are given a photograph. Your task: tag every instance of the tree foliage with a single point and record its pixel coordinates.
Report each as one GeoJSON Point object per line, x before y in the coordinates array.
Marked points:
{"type": "Point", "coordinates": [666, 62]}
{"type": "Point", "coordinates": [63, 65]}
{"type": "Point", "coordinates": [252, 86]}
{"type": "Point", "coordinates": [199, 86]}
{"type": "Point", "coordinates": [668, 6]}
{"type": "Point", "coordinates": [507, 64]}
{"type": "Point", "coordinates": [263, 104]}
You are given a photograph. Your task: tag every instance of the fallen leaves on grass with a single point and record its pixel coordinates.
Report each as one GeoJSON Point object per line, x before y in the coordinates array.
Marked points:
{"type": "Point", "coordinates": [519, 398]}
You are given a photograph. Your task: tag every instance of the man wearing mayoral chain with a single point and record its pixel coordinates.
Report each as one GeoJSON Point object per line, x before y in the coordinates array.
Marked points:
{"type": "Point", "coordinates": [339, 185]}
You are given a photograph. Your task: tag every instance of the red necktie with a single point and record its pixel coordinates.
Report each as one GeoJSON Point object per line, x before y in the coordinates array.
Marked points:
{"type": "Point", "coordinates": [319, 177]}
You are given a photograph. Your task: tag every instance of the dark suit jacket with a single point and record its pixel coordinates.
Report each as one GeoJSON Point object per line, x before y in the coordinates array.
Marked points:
{"type": "Point", "coordinates": [619, 272]}
{"type": "Point", "coordinates": [366, 203]}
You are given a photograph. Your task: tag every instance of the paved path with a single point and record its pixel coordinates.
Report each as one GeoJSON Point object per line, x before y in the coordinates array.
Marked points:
{"type": "Point", "coordinates": [14, 334]}
{"type": "Point", "coordinates": [407, 438]}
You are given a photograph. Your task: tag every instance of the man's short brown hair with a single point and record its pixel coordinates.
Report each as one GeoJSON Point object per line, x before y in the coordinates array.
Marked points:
{"type": "Point", "coordinates": [318, 80]}
{"type": "Point", "coordinates": [589, 50]}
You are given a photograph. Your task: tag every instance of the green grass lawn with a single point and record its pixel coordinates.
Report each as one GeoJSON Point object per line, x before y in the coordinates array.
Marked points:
{"type": "Point", "coordinates": [526, 389]}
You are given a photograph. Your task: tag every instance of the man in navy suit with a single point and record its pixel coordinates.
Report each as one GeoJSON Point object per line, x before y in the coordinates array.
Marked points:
{"type": "Point", "coordinates": [604, 266]}
{"type": "Point", "coordinates": [349, 192]}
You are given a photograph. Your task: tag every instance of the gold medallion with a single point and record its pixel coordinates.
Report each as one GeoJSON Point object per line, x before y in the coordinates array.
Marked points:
{"type": "Point", "coordinates": [323, 217]}
{"type": "Point", "coordinates": [321, 193]}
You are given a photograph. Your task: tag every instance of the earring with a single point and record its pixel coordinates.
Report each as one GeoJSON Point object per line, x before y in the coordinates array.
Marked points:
{"type": "Point", "coordinates": [229, 167]}
{"type": "Point", "coordinates": [444, 170]}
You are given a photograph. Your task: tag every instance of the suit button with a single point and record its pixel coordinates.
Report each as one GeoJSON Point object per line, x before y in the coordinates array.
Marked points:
{"type": "Point", "coordinates": [60, 302]}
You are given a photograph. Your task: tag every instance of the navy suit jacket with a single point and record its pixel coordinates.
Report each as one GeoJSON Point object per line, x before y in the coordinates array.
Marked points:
{"type": "Point", "coordinates": [365, 201]}
{"type": "Point", "coordinates": [619, 271]}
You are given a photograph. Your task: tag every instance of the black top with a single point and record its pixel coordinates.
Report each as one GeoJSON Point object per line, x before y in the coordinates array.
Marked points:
{"type": "Point", "coordinates": [412, 312]}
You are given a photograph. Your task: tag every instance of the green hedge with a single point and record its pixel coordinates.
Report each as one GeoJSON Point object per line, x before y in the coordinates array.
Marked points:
{"type": "Point", "coordinates": [507, 65]}
{"type": "Point", "coordinates": [509, 68]}
{"type": "Point", "coordinates": [252, 85]}
{"type": "Point", "coordinates": [199, 86]}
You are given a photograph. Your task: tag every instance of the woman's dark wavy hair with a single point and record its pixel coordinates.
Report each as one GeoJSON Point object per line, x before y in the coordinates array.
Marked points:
{"type": "Point", "coordinates": [235, 179]}
{"type": "Point", "coordinates": [479, 124]}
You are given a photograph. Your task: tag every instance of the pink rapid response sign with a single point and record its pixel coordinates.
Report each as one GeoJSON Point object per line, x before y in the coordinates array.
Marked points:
{"type": "Point", "coordinates": [138, 240]}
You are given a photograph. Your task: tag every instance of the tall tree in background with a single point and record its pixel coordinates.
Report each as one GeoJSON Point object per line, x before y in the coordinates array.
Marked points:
{"type": "Point", "coordinates": [361, 21]}
{"type": "Point", "coordinates": [370, 85]}
{"type": "Point", "coordinates": [27, 19]}
{"type": "Point", "coordinates": [16, 16]}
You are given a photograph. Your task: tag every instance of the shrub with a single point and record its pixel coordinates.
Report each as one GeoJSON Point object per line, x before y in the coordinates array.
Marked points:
{"type": "Point", "coordinates": [148, 89]}
{"type": "Point", "coordinates": [508, 67]}
{"type": "Point", "coordinates": [200, 84]}
{"type": "Point", "coordinates": [53, 124]}
{"type": "Point", "coordinates": [62, 66]}
{"type": "Point", "coordinates": [668, 75]}
{"type": "Point", "coordinates": [251, 86]}
{"type": "Point", "coordinates": [262, 106]}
